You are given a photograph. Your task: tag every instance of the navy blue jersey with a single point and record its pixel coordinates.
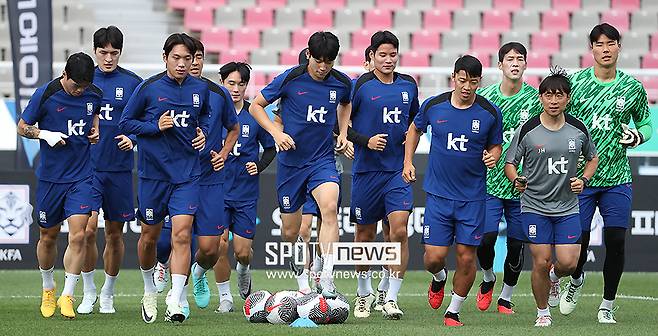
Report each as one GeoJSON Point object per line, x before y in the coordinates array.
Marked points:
{"type": "Point", "coordinates": [308, 112]}
{"type": "Point", "coordinates": [222, 117]}
{"type": "Point", "coordinates": [167, 155]}
{"type": "Point", "coordinates": [379, 108]}
{"type": "Point", "coordinates": [57, 111]}
{"type": "Point", "coordinates": [459, 136]}
{"type": "Point", "coordinates": [239, 185]}
{"type": "Point", "coordinates": [117, 87]}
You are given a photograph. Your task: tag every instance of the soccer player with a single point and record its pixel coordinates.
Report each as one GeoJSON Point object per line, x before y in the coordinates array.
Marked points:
{"type": "Point", "coordinates": [606, 100]}
{"type": "Point", "coordinates": [112, 162]}
{"type": "Point", "coordinates": [466, 140]}
{"type": "Point", "coordinates": [384, 103]}
{"type": "Point", "coordinates": [518, 102]}
{"type": "Point", "coordinates": [549, 146]}
{"type": "Point", "coordinates": [314, 98]}
{"type": "Point", "coordinates": [242, 169]}
{"type": "Point", "coordinates": [169, 113]}
{"type": "Point", "coordinates": [66, 110]}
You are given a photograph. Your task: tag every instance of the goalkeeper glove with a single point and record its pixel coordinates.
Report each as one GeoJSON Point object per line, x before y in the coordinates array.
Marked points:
{"type": "Point", "coordinates": [630, 137]}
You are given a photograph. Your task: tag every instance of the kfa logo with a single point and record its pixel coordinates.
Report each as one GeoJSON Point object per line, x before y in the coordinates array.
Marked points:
{"type": "Point", "coordinates": [452, 142]}
{"type": "Point", "coordinates": [316, 116]}
{"type": "Point", "coordinates": [572, 145]}
{"type": "Point", "coordinates": [118, 93]}
{"type": "Point", "coordinates": [391, 116]}
{"type": "Point", "coordinates": [149, 214]}
{"type": "Point", "coordinates": [105, 112]}
{"type": "Point", "coordinates": [332, 96]}
{"type": "Point", "coordinates": [76, 128]}
{"type": "Point", "coordinates": [619, 106]}
{"type": "Point", "coordinates": [475, 126]}
{"type": "Point", "coordinates": [601, 122]}
{"type": "Point", "coordinates": [405, 97]}
{"type": "Point", "coordinates": [286, 202]}
{"type": "Point", "coordinates": [357, 213]}
{"type": "Point", "coordinates": [42, 217]}
{"type": "Point", "coordinates": [532, 231]}
{"type": "Point", "coordinates": [180, 119]}
{"type": "Point", "coordinates": [90, 108]}
{"type": "Point", "coordinates": [236, 149]}
{"type": "Point", "coordinates": [525, 115]}
{"type": "Point", "coordinates": [553, 166]}
{"type": "Point", "coordinates": [195, 100]}
{"type": "Point", "coordinates": [426, 232]}
{"type": "Point", "coordinates": [245, 131]}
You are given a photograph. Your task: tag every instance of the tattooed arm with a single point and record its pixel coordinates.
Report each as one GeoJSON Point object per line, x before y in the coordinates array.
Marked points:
{"type": "Point", "coordinates": [26, 130]}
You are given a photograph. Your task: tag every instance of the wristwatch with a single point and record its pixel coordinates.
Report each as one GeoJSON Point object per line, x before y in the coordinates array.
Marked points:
{"type": "Point", "coordinates": [585, 180]}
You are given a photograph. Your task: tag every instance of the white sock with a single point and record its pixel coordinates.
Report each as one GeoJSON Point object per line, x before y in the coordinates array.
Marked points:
{"type": "Point", "coordinates": [393, 289]}
{"type": "Point", "coordinates": [489, 275]}
{"type": "Point", "coordinates": [364, 283]}
{"type": "Point", "coordinates": [607, 304]}
{"type": "Point", "coordinates": [183, 297]}
{"type": "Point", "coordinates": [316, 267]}
{"type": "Point", "coordinates": [242, 269]}
{"type": "Point", "coordinates": [177, 284]}
{"type": "Point", "coordinates": [552, 275]}
{"type": "Point", "coordinates": [302, 281]}
{"type": "Point", "coordinates": [108, 285]}
{"type": "Point", "coordinates": [149, 285]}
{"type": "Point", "coordinates": [70, 280]}
{"type": "Point", "coordinates": [543, 312]}
{"type": "Point", "coordinates": [327, 266]}
{"type": "Point", "coordinates": [198, 271]}
{"type": "Point", "coordinates": [578, 281]}
{"type": "Point", "coordinates": [440, 276]}
{"type": "Point", "coordinates": [88, 284]}
{"type": "Point", "coordinates": [455, 303]}
{"type": "Point", "coordinates": [506, 293]}
{"type": "Point", "coordinates": [165, 265]}
{"type": "Point", "coordinates": [224, 289]}
{"type": "Point", "coordinates": [383, 282]}
{"type": "Point", "coordinates": [47, 278]}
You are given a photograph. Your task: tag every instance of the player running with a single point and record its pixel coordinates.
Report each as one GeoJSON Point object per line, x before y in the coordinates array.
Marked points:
{"type": "Point", "coordinates": [466, 140]}
{"type": "Point", "coordinates": [66, 110]}
{"type": "Point", "coordinates": [518, 102]}
{"type": "Point", "coordinates": [549, 145]}
{"type": "Point", "coordinates": [112, 162]}
{"type": "Point", "coordinates": [606, 100]}
{"type": "Point", "coordinates": [384, 103]}
{"type": "Point", "coordinates": [169, 115]}
{"type": "Point", "coordinates": [314, 98]}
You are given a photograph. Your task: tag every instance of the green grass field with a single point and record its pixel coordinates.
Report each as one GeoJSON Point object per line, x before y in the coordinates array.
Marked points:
{"type": "Point", "coordinates": [638, 314]}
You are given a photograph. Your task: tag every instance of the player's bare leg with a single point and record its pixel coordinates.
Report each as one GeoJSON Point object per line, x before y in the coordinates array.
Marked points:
{"type": "Point", "coordinates": [223, 277]}
{"type": "Point", "coordinates": [434, 260]}
{"type": "Point", "coordinates": [181, 238]}
{"type": "Point", "coordinates": [46, 253]}
{"type": "Point", "coordinates": [326, 196]}
{"type": "Point", "coordinates": [243, 254]}
{"type": "Point", "coordinates": [205, 258]}
{"type": "Point", "coordinates": [365, 297]}
{"type": "Point", "coordinates": [382, 287]}
{"type": "Point", "coordinates": [89, 265]}
{"type": "Point", "coordinates": [462, 282]}
{"type": "Point", "coordinates": [146, 255]}
{"type": "Point", "coordinates": [73, 260]}
{"type": "Point", "coordinates": [398, 221]}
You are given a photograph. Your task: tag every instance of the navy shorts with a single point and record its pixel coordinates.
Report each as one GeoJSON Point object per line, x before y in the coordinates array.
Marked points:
{"type": "Point", "coordinates": [496, 207]}
{"type": "Point", "coordinates": [293, 183]}
{"type": "Point", "coordinates": [554, 230]}
{"type": "Point", "coordinates": [113, 192]}
{"type": "Point", "coordinates": [158, 199]}
{"type": "Point", "coordinates": [59, 201]}
{"type": "Point", "coordinates": [448, 221]}
{"type": "Point", "coordinates": [241, 217]}
{"type": "Point", "coordinates": [210, 219]}
{"type": "Point", "coordinates": [376, 194]}
{"type": "Point", "coordinates": [614, 205]}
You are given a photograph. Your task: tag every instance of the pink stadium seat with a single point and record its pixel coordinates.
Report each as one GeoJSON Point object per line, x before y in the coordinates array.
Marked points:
{"type": "Point", "coordinates": [389, 4]}
{"type": "Point", "coordinates": [483, 56]}
{"type": "Point", "coordinates": [351, 58]}
{"type": "Point", "coordinates": [533, 80]}
{"type": "Point", "coordinates": [197, 18]}
{"type": "Point", "coordinates": [211, 3]}
{"type": "Point", "coordinates": [425, 40]}
{"type": "Point", "coordinates": [271, 3]}
{"type": "Point", "coordinates": [545, 42]}
{"type": "Point", "coordinates": [361, 39]}
{"type": "Point", "coordinates": [245, 39]}
{"type": "Point", "coordinates": [586, 60]}
{"type": "Point", "coordinates": [378, 19]}
{"type": "Point", "coordinates": [650, 61]}
{"type": "Point", "coordinates": [508, 5]}
{"type": "Point", "coordinates": [625, 5]}
{"type": "Point", "coordinates": [485, 41]}
{"type": "Point", "coordinates": [318, 18]}
{"type": "Point", "coordinates": [496, 21]}
{"type": "Point", "coordinates": [415, 58]}
{"type": "Point", "coordinates": [654, 42]}
{"type": "Point", "coordinates": [259, 18]}
{"type": "Point", "coordinates": [566, 5]}
{"type": "Point", "coordinates": [330, 4]}
{"type": "Point", "coordinates": [539, 59]}
{"type": "Point", "coordinates": [290, 57]}
{"type": "Point", "coordinates": [438, 20]}
{"type": "Point", "coordinates": [215, 39]}
{"type": "Point", "coordinates": [651, 85]}
{"type": "Point", "coordinates": [449, 4]}
{"type": "Point", "coordinates": [300, 39]}
{"type": "Point", "coordinates": [555, 21]}
{"type": "Point", "coordinates": [619, 19]}
{"type": "Point", "coordinates": [233, 55]}
{"type": "Point", "coordinates": [180, 4]}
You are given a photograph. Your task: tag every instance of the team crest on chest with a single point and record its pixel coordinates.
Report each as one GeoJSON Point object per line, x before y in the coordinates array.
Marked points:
{"type": "Point", "coordinates": [90, 108]}
{"type": "Point", "coordinates": [118, 93]}
{"type": "Point", "coordinates": [475, 126]}
{"type": "Point", "coordinates": [332, 96]}
{"type": "Point", "coordinates": [245, 131]}
{"type": "Point", "coordinates": [195, 100]}
{"type": "Point", "coordinates": [572, 145]}
{"type": "Point", "coordinates": [621, 101]}
{"type": "Point", "coordinates": [525, 115]}
{"type": "Point", "coordinates": [405, 97]}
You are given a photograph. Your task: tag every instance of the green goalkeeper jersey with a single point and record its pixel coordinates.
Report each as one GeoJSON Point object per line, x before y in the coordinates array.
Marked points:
{"type": "Point", "coordinates": [516, 110]}
{"type": "Point", "coordinates": [603, 108]}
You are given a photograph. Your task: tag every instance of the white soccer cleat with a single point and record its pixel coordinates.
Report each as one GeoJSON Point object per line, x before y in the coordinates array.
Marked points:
{"type": "Point", "coordinates": [87, 304]}
{"type": "Point", "coordinates": [327, 288]}
{"type": "Point", "coordinates": [244, 284]}
{"type": "Point", "coordinates": [161, 277]}
{"type": "Point", "coordinates": [363, 304]}
{"type": "Point", "coordinates": [174, 314]}
{"type": "Point", "coordinates": [149, 307]}
{"type": "Point", "coordinates": [391, 311]}
{"type": "Point", "coordinates": [381, 300]}
{"type": "Point", "coordinates": [607, 316]}
{"type": "Point", "coordinates": [106, 304]}
{"type": "Point", "coordinates": [225, 306]}
{"type": "Point", "coordinates": [544, 321]}
{"type": "Point", "coordinates": [569, 297]}
{"type": "Point", "coordinates": [554, 294]}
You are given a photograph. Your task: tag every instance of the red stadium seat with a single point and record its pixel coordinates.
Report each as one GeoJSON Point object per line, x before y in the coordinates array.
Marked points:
{"type": "Point", "coordinates": [378, 19]}
{"type": "Point", "coordinates": [389, 4]}
{"type": "Point", "coordinates": [197, 18]}
{"type": "Point", "coordinates": [361, 39]}
{"type": "Point", "coordinates": [331, 4]}
{"type": "Point", "coordinates": [233, 55]}
{"type": "Point", "coordinates": [483, 56]}
{"type": "Point", "coordinates": [650, 61]}
{"type": "Point", "coordinates": [214, 4]}
{"type": "Point", "coordinates": [181, 4]}
{"type": "Point", "coordinates": [625, 5]}
{"type": "Point", "coordinates": [654, 42]}
{"type": "Point", "coordinates": [485, 41]}
{"type": "Point", "coordinates": [533, 80]}
{"type": "Point", "coordinates": [271, 3]}
{"type": "Point", "coordinates": [449, 4]}
{"type": "Point", "coordinates": [245, 39]}
{"type": "Point", "coordinates": [545, 42]}
{"type": "Point", "coordinates": [438, 20]}
{"type": "Point", "coordinates": [351, 58]}
{"type": "Point", "coordinates": [508, 5]}
{"type": "Point", "coordinates": [566, 5]}
{"type": "Point", "coordinates": [415, 58]}
{"type": "Point", "coordinates": [555, 21]}
{"type": "Point", "coordinates": [619, 19]}
{"type": "Point", "coordinates": [300, 39]}
{"type": "Point", "coordinates": [425, 40]}
{"type": "Point", "coordinates": [496, 21]}
{"type": "Point", "coordinates": [650, 84]}
{"type": "Point", "coordinates": [290, 57]}
{"type": "Point", "coordinates": [259, 18]}
{"type": "Point", "coordinates": [318, 19]}
{"type": "Point", "coordinates": [586, 60]}
{"type": "Point", "coordinates": [539, 59]}
{"type": "Point", "coordinates": [215, 39]}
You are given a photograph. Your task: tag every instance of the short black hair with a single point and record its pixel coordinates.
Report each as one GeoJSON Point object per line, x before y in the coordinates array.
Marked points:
{"type": "Point", "coordinates": [470, 64]}
{"type": "Point", "coordinates": [557, 81]}
{"type": "Point", "coordinates": [176, 39]}
{"type": "Point", "coordinates": [302, 59]}
{"type": "Point", "coordinates": [323, 46]}
{"type": "Point", "coordinates": [509, 46]}
{"type": "Point", "coordinates": [604, 29]}
{"type": "Point", "coordinates": [383, 37]}
{"type": "Point", "coordinates": [199, 46]}
{"type": "Point", "coordinates": [243, 68]}
{"type": "Point", "coordinates": [110, 35]}
{"type": "Point", "coordinates": [367, 55]}
{"type": "Point", "coordinates": [80, 68]}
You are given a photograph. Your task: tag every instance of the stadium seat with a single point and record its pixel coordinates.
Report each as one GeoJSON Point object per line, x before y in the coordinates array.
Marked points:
{"type": "Point", "coordinates": [596, 5]}
{"type": "Point", "coordinates": [566, 60]}
{"type": "Point", "coordinates": [415, 58]}
{"type": "Point", "coordinates": [650, 61]}
{"type": "Point", "coordinates": [555, 21]}
{"type": "Point", "coordinates": [361, 39]}
{"type": "Point", "coordinates": [378, 19]}
{"type": "Point", "coordinates": [228, 17]}
{"type": "Point", "coordinates": [483, 56]}
{"type": "Point", "coordinates": [490, 79]}
{"type": "Point", "coordinates": [330, 4]}
{"type": "Point", "coordinates": [197, 18]}
{"type": "Point", "coordinates": [583, 21]}
{"type": "Point", "coordinates": [635, 43]}
{"type": "Point", "coordinates": [650, 84]}
{"type": "Point", "coordinates": [586, 60]}
{"type": "Point", "coordinates": [618, 19]}
{"type": "Point", "coordinates": [525, 21]}
{"type": "Point", "coordinates": [514, 36]}
{"type": "Point", "coordinates": [650, 5]}
{"type": "Point", "coordinates": [425, 40]}
{"type": "Point", "coordinates": [351, 58]}
{"type": "Point", "coordinates": [389, 4]}
{"type": "Point", "coordinates": [318, 18]}
{"type": "Point", "coordinates": [628, 61]}
{"type": "Point", "coordinates": [455, 41]}
{"type": "Point", "coordinates": [532, 80]}
{"type": "Point", "coordinates": [538, 59]}
{"type": "Point", "coordinates": [654, 42]}
{"type": "Point", "coordinates": [302, 4]}
{"type": "Point", "coordinates": [438, 20]}
{"type": "Point", "coordinates": [625, 5]}
{"type": "Point", "coordinates": [289, 57]}
{"type": "Point", "coordinates": [404, 38]}
{"type": "Point", "coordinates": [449, 4]}
{"type": "Point", "coordinates": [444, 59]}
{"type": "Point", "coordinates": [419, 5]}
{"type": "Point", "coordinates": [432, 82]}
{"type": "Point", "coordinates": [407, 20]}
{"type": "Point", "coordinates": [485, 41]}
{"type": "Point", "coordinates": [289, 18]}
{"type": "Point", "coordinates": [300, 39]}
{"type": "Point", "coordinates": [496, 21]}
{"type": "Point", "coordinates": [271, 3]}
{"type": "Point", "coordinates": [245, 39]}
{"type": "Point", "coordinates": [545, 42]}
{"type": "Point", "coordinates": [567, 5]}
{"type": "Point", "coordinates": [469, 21]}
{"type": "Point", "coordinates": [264, 57]}
{"type": "Point", "coordinates": [574, 42]}
{"type": "Point", "coordinates": [276, 39]}
{"type": "Point", "coordinates": [537, 5]}
{"type": "Point", "coordinates": [508, 5]}
{"type": "Point", "coordinates": [644, 21]}
{"type": "Point", "coordinates": [232, 55]}
{"type": "Point", "coordinates": [359, 5]}
{"type": "Point", "coordinates": [241, 4]}
{"type": "Point", "coordinates": [476, 5]}
{"type": "Point", "coordinates": [180, 4]}
{"type": "Point", "coordinates": [214, 4]}
{"type": "Point", "coordinates": [348, 19]}
{"type": "Point", "coordinates": [215, 39]}
{"type": "Point", "coordinates": [260, 18]}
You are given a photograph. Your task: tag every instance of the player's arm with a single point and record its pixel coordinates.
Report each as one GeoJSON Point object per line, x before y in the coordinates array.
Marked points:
{"type": "Point", "coordinates": [130, 122]}
{"type": "Point", "coordinates": [94, 134]}
{"type": "Point", "coordinates": [578, 184]}
{"type": "Point", "coordinates": [491, 155]}
{"type": "Point", "coordinates": [257, 110]}
{"type": "Point", "coordinates": [27, 123]}
{"type": "Point", "coordinates": [344, 111]}
{"type": "Point", "coordinates": [633, 137]}
{"type": "Point", "coordinates": [514, 157]}
{"type": "Point", "coordinates": [410, 145]}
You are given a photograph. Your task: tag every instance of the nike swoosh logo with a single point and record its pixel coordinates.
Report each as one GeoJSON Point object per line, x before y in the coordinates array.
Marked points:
{"type": "Point", "coordinates": [84, 207]}
{"type": "Point", "coordinates": [441, 121]}
{"type": "Point", "coordinates": [406, 203]}
{"type": "Point", "coordinates": [145, 316]}
{"type": "Point", "coordinates": [571, 237]}
{"type": "Point", "coordinates": [302, 92]}
{"type": "Point", "coordinates": [478, 237]}
{"type": "Point", "coordinates": [248, 231]}
{"type": "Point", "coordinates": [60, 109]}
{"type": "Point", "coordinates": [162, 99]}
{"type": "Point", "coordinates": [582, 100]}
{"type": "Point", "coordinates": [271, 308]}
{"type": "Point", "coordinates": [192, 207]}
{"type": "Point", "coordinates": [375, 97]}
{"type": "Point", "coordinates": [125, 215]}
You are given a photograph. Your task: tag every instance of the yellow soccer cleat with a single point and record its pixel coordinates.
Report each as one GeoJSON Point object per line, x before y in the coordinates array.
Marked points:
{"type": "Point", "coordinates": [65, 304]}
{"type": "Point", "coordinates": [48, 303]}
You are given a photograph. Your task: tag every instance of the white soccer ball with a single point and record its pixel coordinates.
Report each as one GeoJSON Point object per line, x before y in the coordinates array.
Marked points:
{"type": "Point", "coordinates": [281, 308]}
{"type": "Point", "coordinates": [339, 309]}
{"type": "Point", "coordinates": [254, 306]}
{"type": "Point", "coordinates": [314, 307]}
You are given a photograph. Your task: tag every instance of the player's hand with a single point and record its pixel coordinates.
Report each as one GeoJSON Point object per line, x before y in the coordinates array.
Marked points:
{"type": "Point", "coordinates": [341, 143]}
{"type": "Point", "coordinates": [488, 159]}
{"type": "Point", "coordinates": [577, 185]}
{"type": "Point", "coordinates": [125, 144]}
{"type": "Point", "coordinates": [409, 173]}
{"type": "Point", "coordinates": [349, 150]}
{"type": "Point", "coordinates": [93, 136]}
{"type": "Point", "coordinates": [630, 137]}
{"type": "Point", "coordinates": [165, 122]}
{"type": "Point", "coordinates": [199, 142]}
{"type": "Point", "coordinates": [283, 141]}
{"type": "Point", "coordinates": [252, 169]}
{"type": "Point", "coordinates": [54, 139]}
{"type": "Point", "coordinates": [520, 183]}
{"type": "Point", "coordinates": [377, 142]}
{"type": "Point", "coordinates": [216, 160]}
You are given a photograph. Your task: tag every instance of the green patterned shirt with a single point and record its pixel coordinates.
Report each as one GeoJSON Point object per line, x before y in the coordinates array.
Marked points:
{"type": "Point", "coordinates": [516, 110]}
{"type": "Point", "coordinates": [603, 108]}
